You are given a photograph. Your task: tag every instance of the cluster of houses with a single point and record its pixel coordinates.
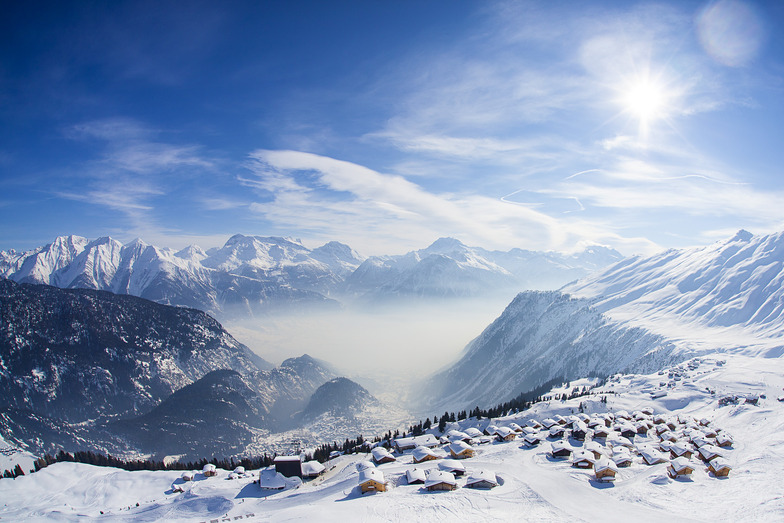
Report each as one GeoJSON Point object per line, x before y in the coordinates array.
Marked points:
{"type": "Point", "coordinates": [605, 442]}
{"type": "Point", "coordinates": [449, 450]}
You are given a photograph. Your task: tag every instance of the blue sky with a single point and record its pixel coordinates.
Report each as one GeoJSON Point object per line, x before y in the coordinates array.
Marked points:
{"type": "Point", "coordinates": [386, 125]}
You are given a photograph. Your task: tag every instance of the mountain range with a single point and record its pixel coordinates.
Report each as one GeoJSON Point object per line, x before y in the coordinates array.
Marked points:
{"type": "Point", "coordinates": [253, 275]}
{"type": "Point", "coordinates": [637, 315]}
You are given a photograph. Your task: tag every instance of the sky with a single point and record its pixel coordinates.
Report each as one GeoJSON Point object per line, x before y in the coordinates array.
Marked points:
{"type": "Point", "coordinates": [385, 125]}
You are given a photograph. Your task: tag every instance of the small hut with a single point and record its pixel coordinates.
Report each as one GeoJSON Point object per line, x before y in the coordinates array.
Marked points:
{"type": "Point", "coordinates": [594, 448]}
{"type": "Point", "coordinates": [458, 435]}
{"type": "Point", "coordinates": [579, 431]}
{"type": "Point", "coordinates": [680, 467]}
{"type": "Point", "coordinates": [421, 454]}
{"type": "Point", "coordinates": [425, 440]}
{"type": "Point", "coordinates": [600, 431]}
{"type": "Point", "coordinates": [415, 475]}
{"type": "Point", "coordinates": [209, 470]}
{"type": "Point", "coordinates": [505, 434]}
{"type": "Point", "coordinates": [560, 449]}
{"type": "Point", "coordinates": [452, 466]}
{"type": "Point", "coordinates": [531, 440]}
{"type": "Point", "coordinates": [652, 456]}
{"type": "Point", "coordinates": [724, 440]}
{"type": "Point", "coordinates": [461, 450]}
{"type": "Point", "coordinates": [622, 458]}
{"type": "Point", "coordinates": [709, 453]}
{"type": "Point", "coordinates": [188, 475]}
{"type": "Point", "coordinates": [549, 422]}
{"type": "Point", "coordinates": [440, 480]}
{"type": "Point", "coordinates": [628, 430]}
{"type": "Point", "coordinates": [719, 467]}
{"type": "Point", "coordinates": [312, 469]}
{"type": "Point", "coordinates": [605, 469]}
{"type": "Point", "coordinates": [382, 455]}
{"type": "Point", "coordinates": [372, 480]}
{"type": "Point", "coordinates": [680, 449]}
{"type": "Point", "coordinates": [289, 466]}
{"type": "Point", "coordinates": [474, 432]}
{"type": "Point", "coordinates": [557, 431]}
{"type": "Point", "coordinates": [582, 459]}
{"type": "Point", "coordinates": [514, 426]}
{"type": "Point", "coordinates": [482, 479]}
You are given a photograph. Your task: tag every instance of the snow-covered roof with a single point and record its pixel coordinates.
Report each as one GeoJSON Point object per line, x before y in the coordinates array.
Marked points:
{"type": "Point", "coordinates": [209, 467]}
{"type": "Point", "coordinates": [504, 432]}
{"type": "Point", "coordinates": [710, 451]}
{"type": "Point", "coordinates": [458, 447]}
{"type": "Point", "coordinates": [373, 474]}
{"type": "Point", "coordinates": [582, 456]}
{"type": "Point", "coordinates": [380, 453]}
{"type": "Point", "coordinates": [651, 456]}
{"type": "Point", "coordinates": [188, 475]}
{"type": "Point", "coordinates": [281, 459]}
{"type": "Point", "coordinates": [415, 474]}
{"type": "Point", "coordinates": [603, 464]}
{"type": "Point", "coordinates": [425, 440]}
{"type": "Point", "coordinates": [451, 465]}
{"type": "Point", "coordinates": [239, 470]}
{"type": "Point", "coordinates": [478, 476]}
{"type": "Point", "coordinates": [362, 465]}
{"type": "Point", "coordinates": [270, 479]}
{"type": "Point", "coordinates": [440, 476]}
{"type": "Point", "coordinates": [312, 468]}
{"type": "Point", "coordinates": [474, 432]}
{"type": "Point", "coordinates": [681, 465]}
{"type": "Point", "coordinates": [719, 464]}
{"type": "Point", "coordinates": [421, 453]}
{"type": "Point", "coordinates": [560, 445]}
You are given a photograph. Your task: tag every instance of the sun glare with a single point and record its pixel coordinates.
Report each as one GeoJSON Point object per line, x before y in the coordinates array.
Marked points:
{"type": "Point", "coordinates": [645, 101]}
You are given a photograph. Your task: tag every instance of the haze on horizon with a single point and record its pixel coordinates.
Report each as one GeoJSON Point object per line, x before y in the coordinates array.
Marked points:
{"type": "Point", "coordinates": [387, 125]}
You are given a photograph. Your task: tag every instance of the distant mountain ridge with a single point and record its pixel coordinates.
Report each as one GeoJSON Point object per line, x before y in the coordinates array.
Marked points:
{"type": "Point", "coordinates": [252, 275]}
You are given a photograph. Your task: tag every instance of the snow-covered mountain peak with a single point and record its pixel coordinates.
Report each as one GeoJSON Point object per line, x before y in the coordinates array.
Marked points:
{"type": "Point", "coordinates": [192, 253]}
{"type": "Point", "coordinates": [444, 246]}
{"type": "Point", "coordinates": [742, 235]}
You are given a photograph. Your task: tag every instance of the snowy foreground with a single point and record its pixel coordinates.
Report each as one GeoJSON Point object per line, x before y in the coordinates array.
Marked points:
{"type": "Point", "coordinates": [532, 484]}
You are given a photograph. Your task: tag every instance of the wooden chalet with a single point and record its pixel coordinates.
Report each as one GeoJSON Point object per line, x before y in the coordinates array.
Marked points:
{"type": "Point", "coordinates": [188, 475]}
{"type": "Point", "coordinates": [560, 449]}
{"type": "Point", "coordinates": [382, 455]}
{"type": "Point", "coordinates": [482, 479]}
{"type": "Point", "coordinates": [709, 453]}
{"type": "Point", "coordinates": [421, 454]}
{"type": "Point", "coordinates": [579, 431]}
{"type": "Point", "coordinates": [474, 432]}
{"type": "Point", "coordinates": [532, 439]}
{"type": "Point", "coordinates": [209, 470]}
{"type": "Point", "coordinates": [724, 440]}
{"type": "Point", "coordinates": [461, 450]}
{"type": "Point", "coordinates": [505, 434]}
{"type": "Point", "coordinates": [719, 467]}
{"type": "Point", "coordinates": [415, 475]}
{"type": "Point", "coordinates": [440, 480]}
{"type": "Point", "coordinates": [594, 448]}
{"type": "Point", "coordinates": [452, 466]}
{"type": "Point", "coordinates": [680, 467]}
{"type": "Point", "coordinates": [425, 440]}
{"type": "Point", "coordinates": [583, 459]}
{"type": "Point", "coordinates": [600, 431]}
{"type": "Point", "coordinates": [312, 469]}
{"type": "Point", "coordinates": [372, 480]}
{"type": "Point", "coordinates": [622, 458]}
{"type": "Point", "coordinates": [556, 431]}
{"type": "Point", "coordinates": [605, 469]}
{"type": "Point", "coordinates": [652, 456]}
{"type": "Point", "coordinates": [680, 449]}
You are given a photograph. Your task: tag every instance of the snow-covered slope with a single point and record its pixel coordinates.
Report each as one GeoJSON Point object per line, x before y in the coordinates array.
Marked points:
{"type": "Point", "coordinates": [728, 295]}
{"type": "Point", "coordinates": [531, 482]}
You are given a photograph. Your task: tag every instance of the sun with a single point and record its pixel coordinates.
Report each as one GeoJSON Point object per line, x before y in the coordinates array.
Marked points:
{"type": "Point", "coordinates": [645, 100]}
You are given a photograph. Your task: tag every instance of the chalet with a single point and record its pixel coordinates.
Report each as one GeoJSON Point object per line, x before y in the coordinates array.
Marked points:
{"type": "Point", "coordinates": [642, 427]}
{"type": "Point", "coordinates": [549, 422]}
{"type": "Point", "coordinates": [289, 466]}
{"type": "Point", "coordinates": [719, 467]}
{"type": "Point", "coordinates": [491, 430]}
{"type": "Point", "coordinates": [582, 459]}
{"type": "Point", "coordinates": [482, 479]}
{"type": "Point", "coordinates": [601, 432]}
{"type": "Point", "coordinates": [452, 465]}
{"type": "Point", "coordinates": [594, 448]}
{"type": "Point", "coordinates": [474, 433]}
{"type": "Point", "coordinates": [709, 453]}
{"type": "Point", "coordinates": [531, 439]}
{"type": "Point", "coordinates": [680, 449]}
{"type": "Point", "coordinates": [505, 434]}
{"type": "Point", "coordinates": [627, 431]}
{"type": "Point", "coordinates": [661, 428]}
{"type": "Point", "coordinates": [188, 475]}
{"type": "Point", "coordinates": [514, 426]}
{"type": "Point", "coordinates": [665, 445]}
{"type": "Point", "coordinates": [616, 440]}
{"type": "Point", "coordinates": [382, 455]}
{"type": "Point", "coordinates": [605, 469]}
{"type": "Point", "coordinates": [415, 475]}
{"type": "Point", "coordinates": [372, 480]}
{"type": "Point", "coordinates": [533, 424]}
{"type": "Point", "coordinates": [209, 470]}
{"type": "Point", "coordinates": [583, 417]}
{"type": "Point", "coordinates": [559, 419]}
{"type": "Point", "coordinates": [272, 480]}
{"type": "Point", "coordinates": [593, 423]}
{"type": "Point", "coordinates": [529, 430]}
{"type": "Point", "coordinates": [457, 435]}
{"type": "Point", "coordinates": [561, 449]}
{"type": "Point", "coordinates": [680, 467]}
{"type": "Point", "coordinates": [440, 480]}
{"type": "Point", "coordinates": [669, 435]}
{"type": "Point", "coordinates": [651, 456]}
{"type": "Point", "coordinates": [579, 431]}
{"type": "Point", "coordinates": [556, 431]}
{"type": "Point", "coordinates": [724, 440]}
{"type": "Point", "coordinates": [461, 450]}
{"type": "Point", "coordinates": [622, 458]}
{"type": "Point", "coordinates": [421, 454]}
{"type": "Point", "coordinates": [710, 432]}
{"type": "Point", "coordinates": [312, 469]}
{"type": "Point", "coordinates": [425, 440]}
{"type": "Point", "coordinates": [240, 470]}
{"type": "Point", "coordinates": [622, 414]}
